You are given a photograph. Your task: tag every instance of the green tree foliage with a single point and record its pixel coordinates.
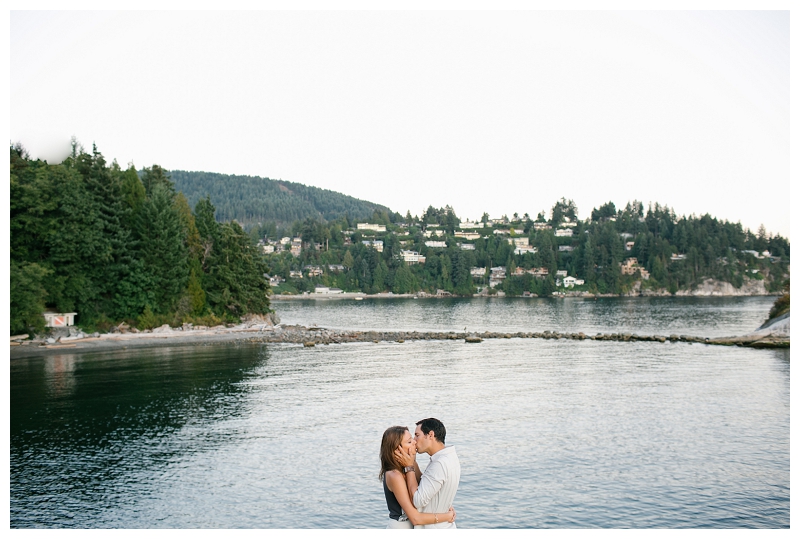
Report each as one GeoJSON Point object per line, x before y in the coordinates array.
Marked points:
{"type": "Point", "coordinates": [162, 249]}
{"type": "Point", "coordinates": [235, 284]}
{"type": "Point", "coordinates": [27, 293]}
{"type": "Point", "coordinates": [114, 244]}
{"type": "Point", "coordinates": [250, 199]}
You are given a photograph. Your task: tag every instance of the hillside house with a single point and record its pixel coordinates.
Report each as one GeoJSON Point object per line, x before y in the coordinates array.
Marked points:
{"type": "Point", "coordinates": [313, 271]}
{"type": "Point", "coordinates": [436, 244]}
{"type": "Point", "coordinates": [412, 257]}
{"type": "Point", "coordinates": [477, 272]}
{"type": "Point", "coordinates": [518, 241]}
{"type": "Point", "coordinates": [369, 226]}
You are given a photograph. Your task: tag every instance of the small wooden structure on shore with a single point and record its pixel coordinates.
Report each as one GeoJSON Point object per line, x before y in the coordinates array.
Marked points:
{"type": "Point", "coordinates": [59, 320]}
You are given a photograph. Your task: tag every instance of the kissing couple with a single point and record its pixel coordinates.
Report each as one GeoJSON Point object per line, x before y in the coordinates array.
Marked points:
{"type": "Point", "coordinates": [416, 499]}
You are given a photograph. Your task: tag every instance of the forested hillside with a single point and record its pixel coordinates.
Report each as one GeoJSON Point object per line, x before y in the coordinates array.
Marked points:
{"type": "Point", "coordinates": [251, 199]}
{"type": "Point", "coordinates": [95, 239]}
{"type": "Point", "coordinates": [659, 250]}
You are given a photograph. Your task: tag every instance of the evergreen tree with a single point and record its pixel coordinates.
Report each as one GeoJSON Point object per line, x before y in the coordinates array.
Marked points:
{"type": "Point", "coordinates": [162, 249]}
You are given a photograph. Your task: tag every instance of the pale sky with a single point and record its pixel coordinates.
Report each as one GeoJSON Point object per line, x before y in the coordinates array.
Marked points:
{"type": "Point", "coordinates": [500, 112]}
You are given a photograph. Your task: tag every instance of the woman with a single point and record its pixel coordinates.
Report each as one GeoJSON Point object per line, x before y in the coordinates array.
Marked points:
{"type": "Point", "coordinates": [402, 512]}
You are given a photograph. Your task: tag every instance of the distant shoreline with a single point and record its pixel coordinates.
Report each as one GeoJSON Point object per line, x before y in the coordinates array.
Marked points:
{"type": "Point", "coordinates": [577, 294]}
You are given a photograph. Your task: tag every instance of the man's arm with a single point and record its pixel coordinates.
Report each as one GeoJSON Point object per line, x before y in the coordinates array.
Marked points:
{"type": "Point", "coordinates": [430, 483]}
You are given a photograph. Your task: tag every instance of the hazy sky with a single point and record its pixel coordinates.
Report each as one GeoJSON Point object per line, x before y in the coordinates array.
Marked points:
{"type": "Point", "coordinates": [500, 112]}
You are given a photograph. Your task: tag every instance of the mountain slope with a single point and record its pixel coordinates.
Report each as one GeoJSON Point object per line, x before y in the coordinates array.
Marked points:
{"type": "Point", "coordinates": [251, 199]}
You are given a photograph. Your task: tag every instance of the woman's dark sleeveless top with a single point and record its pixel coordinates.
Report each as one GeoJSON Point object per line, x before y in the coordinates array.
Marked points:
{"type": "Point", "coordinates": [391, 502]}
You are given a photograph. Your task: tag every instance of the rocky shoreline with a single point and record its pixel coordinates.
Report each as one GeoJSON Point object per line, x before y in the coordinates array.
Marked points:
{"type": "Point", "coordinates": [774, 335]}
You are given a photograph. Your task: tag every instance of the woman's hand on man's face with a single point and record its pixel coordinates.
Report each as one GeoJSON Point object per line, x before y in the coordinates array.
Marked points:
{"type": "Point", "coordinates": [407, 459]}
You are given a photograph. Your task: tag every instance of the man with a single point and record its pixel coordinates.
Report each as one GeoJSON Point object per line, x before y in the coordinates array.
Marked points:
{"type": "Point", "coordinates": [433, 491]}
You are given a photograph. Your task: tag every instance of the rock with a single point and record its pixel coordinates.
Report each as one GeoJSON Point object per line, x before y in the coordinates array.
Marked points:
{"type": "Point", "coordinates": [163, 329]}
{"type": "Point", "coordinates": [309, 344]}
{"type": "Point", "coordinates": [713, 287]}
{"type": "Point", "coordinates": [50, 340]}
{"type": "Point", "coordinates": [473, 339]}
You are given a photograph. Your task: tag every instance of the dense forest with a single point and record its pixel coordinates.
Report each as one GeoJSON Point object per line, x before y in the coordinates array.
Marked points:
{"type": "Point", "coordinates": [673, 253]}
{"type": "Point", "coordinates": [115, 245]}
{"type": "Point", "coordinates": [249, 199]}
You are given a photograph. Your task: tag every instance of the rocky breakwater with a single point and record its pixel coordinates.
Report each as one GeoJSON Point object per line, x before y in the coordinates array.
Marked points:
{"type": "Point", "coordinates": [321, 336]}
{"type": "Point", "coordinates": [773, 333]}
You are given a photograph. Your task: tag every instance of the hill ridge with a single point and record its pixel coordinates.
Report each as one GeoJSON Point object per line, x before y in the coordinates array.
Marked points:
{"type": "Point", "coordinates": [253, 199]}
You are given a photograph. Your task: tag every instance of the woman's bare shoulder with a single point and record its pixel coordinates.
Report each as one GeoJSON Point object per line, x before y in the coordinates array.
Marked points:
{"type": "Point", "coordinates": [393, 477]}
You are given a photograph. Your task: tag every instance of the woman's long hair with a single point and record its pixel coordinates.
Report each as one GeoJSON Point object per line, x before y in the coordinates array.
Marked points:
{"type": "Point", "coordinates": [392, 439]}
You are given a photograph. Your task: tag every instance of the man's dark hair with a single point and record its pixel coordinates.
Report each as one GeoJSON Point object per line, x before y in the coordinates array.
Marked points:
{"type": "Point", "coordinates": [433, 424]}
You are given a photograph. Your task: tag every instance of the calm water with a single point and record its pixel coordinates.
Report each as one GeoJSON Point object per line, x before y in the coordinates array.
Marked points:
{"type": "Point", "coordinates": [550, 434]}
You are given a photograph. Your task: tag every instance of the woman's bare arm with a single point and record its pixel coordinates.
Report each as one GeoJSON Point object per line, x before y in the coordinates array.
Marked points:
{"type": "Point", "coordinates": [397, 484]}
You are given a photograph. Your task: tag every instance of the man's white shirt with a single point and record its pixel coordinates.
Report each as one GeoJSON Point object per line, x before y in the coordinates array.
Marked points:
{"type": "Point", "coordinates": [438, 485]}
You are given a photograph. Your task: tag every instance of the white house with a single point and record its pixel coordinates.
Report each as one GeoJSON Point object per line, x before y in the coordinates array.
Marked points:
{"type": "Point", "coordinates": [412, 257]}
{"type": "Point", "coordinates": [564, 232]}
{"type": "Point", "coordinates": [569, 282]}
{"type": "Point", "coordinates": [561, 273]}
{"type": "Point", "coordinates": [369, 226]}
{"type": "Point", "coordinates": [467, 246]}
{"type": "Point", "coordinates": [436, 244]}
{"type": "Point", "coordinates": [467, 235]}
{"type": "Point", "coordinates": [565, 248]}
{"type": "Point", "coordinates": [477, 272]}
